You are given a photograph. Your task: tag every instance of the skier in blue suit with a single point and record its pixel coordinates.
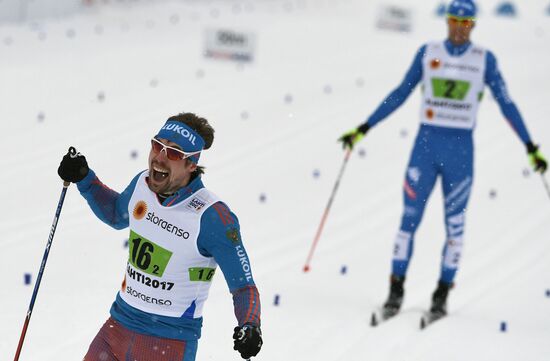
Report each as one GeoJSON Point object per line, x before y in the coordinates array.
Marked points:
{"type": "Point", "coordinates": [179, 233]}
{"type": "Point", "coordinates": [454, 73]}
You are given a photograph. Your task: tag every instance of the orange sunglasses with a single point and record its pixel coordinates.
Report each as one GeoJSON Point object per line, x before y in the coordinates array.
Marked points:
{"type": "Point", "coordinates": [461, 21]}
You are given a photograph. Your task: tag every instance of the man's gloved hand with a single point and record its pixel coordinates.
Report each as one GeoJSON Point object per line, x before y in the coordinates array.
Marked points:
{"type": "Point", "coordinates": [536, 158]}
{"type": "Point", "coordinates": [349, 139]}
{"type": "Point", "coordinates": [247, 340]}
{"type": "Point", "coordinates": [73, 167]}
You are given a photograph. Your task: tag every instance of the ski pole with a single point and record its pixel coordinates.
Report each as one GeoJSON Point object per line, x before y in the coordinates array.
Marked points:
{"type": "Point", "coordinates": [545, 182]}
{"type": "Point", "coordinates": [327, 209]}
{"type": "Point", "coordinates": [41, 272]}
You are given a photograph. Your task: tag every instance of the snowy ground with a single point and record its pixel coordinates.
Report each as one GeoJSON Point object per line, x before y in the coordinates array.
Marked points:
{"type": "Point", "coordinates": [336, 66]}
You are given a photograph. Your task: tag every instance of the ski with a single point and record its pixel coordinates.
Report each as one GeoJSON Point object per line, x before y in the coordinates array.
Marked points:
{"type": "Point", "coordinates": [382, 315]}
{"type": "Point", "coordinates": [430, 317]}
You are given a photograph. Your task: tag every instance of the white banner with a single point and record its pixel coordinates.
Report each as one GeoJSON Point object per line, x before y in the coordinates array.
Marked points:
{"type": "Point", "coordinates": [29, 10]}
{"type": "Point", "coordinates": [394, 18]}
{"type": "Point", "coordinates": [229, 44]}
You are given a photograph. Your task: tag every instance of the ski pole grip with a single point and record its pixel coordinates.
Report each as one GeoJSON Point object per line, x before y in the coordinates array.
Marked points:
{"type": "Point", "coordinates": [72, 152]}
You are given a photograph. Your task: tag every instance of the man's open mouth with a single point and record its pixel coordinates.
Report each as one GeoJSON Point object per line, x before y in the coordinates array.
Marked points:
{"type": "Point", "coordinates": [160, 174]}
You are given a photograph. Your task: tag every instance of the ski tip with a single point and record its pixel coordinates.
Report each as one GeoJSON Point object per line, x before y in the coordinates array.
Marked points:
{"type": "Point", "coordinates": [306, 268]}
{"type": "Point", "coordinates": [373, 320]}
{"type": "Point", "coordinates": [422, 323]}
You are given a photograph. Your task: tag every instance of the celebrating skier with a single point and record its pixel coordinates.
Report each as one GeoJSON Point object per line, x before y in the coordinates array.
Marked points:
{"type": "Point", "coordinates": [179, 233]}
{"type": "Point", "coordinates": [453, 73]}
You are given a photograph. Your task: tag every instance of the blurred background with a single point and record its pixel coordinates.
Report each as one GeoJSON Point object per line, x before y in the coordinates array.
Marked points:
{"type": "Point", "coordinates": [280, 81]}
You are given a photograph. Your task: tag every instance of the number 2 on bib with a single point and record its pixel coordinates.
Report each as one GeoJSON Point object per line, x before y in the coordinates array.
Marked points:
{"type": "Point", "coordinates": [450, 88]}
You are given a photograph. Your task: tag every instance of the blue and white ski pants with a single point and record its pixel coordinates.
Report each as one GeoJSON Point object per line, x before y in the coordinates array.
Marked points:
{"type": "Point", "coordinates": [448, 153]}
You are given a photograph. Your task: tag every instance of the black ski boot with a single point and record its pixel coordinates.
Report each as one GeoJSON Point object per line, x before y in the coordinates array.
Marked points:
{"type": "Point", "coordinates": [439, 299]}
{"type": "Point", "coordinates": [395, 299]}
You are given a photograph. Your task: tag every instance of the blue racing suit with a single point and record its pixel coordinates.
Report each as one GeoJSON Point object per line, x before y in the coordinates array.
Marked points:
{"type": "Point", "coordinates": [446, 152]}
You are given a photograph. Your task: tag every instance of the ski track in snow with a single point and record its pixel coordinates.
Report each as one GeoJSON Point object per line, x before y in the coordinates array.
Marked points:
{"type": "Point", "coordinates": [303, 47]}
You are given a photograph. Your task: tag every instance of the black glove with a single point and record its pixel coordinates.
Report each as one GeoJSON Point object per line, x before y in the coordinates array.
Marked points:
{"type": "Point", "coordinates": [73, 168]}
{"type": "Point", "coordinates": [349, 139]}
{"type": "Point", "coordinates": [536, 158]}
{"type": "Point", "coordinates": [248, 340]}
